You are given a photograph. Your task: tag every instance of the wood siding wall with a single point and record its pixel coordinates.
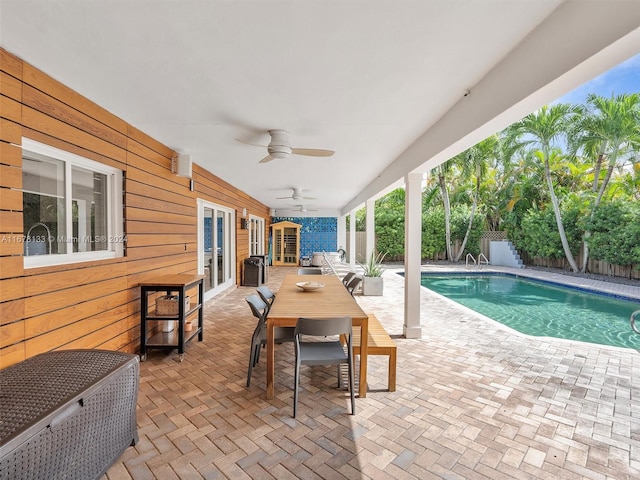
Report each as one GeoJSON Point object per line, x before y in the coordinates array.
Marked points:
{"type": "Point", "coordinates": [94, 304]}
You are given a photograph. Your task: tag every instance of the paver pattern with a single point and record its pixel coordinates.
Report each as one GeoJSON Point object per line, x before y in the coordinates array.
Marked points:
{"type": "Point", "coordinates": [474, 400]}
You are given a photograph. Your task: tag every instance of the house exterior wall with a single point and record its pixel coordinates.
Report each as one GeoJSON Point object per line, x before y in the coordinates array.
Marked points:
{"type": "Point", "coordinates": [94, 304]}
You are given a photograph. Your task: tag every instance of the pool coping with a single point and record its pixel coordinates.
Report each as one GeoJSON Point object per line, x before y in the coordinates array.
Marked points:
{"type": "Point", "coordinates": [590, 289]}
{"type": "Point", "coordinates": [623, 291]}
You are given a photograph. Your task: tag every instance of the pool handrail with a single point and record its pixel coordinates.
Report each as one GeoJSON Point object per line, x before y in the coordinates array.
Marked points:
{"type": "Point", "coordinates": [466, 262]}
{"type": "Point", "coordinates": [632, 320]}
{"type": "Point", "coordinates": [481, 260]}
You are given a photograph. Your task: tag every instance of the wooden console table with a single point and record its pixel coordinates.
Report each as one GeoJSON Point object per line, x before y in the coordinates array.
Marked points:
{"type": "Point", "coordinates": [153, 335]}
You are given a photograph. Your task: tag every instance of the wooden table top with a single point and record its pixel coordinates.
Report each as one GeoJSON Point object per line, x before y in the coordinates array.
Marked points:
{"type": "Point", "coordinates": [332, 300]}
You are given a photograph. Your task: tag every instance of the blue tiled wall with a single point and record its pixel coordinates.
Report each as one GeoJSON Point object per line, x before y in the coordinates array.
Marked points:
{"type": "Point", "coordinates": [317, 234]}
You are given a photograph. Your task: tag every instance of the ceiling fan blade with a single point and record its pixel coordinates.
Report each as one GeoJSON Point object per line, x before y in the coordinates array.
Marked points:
{"type": "Point", "coordinates": [266, 159]}
{"type": "Point", "coordinates": [312, 152]}
{"type": "Point", "coordinates": [249, 143]}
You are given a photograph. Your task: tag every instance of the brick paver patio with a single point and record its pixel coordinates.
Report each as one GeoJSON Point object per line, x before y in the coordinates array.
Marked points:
{"type": "Point", "coordinates": [474, 400]}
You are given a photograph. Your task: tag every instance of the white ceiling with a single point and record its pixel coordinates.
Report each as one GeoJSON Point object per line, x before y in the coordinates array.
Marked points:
{"type": "Point", "coordinates": [381, 82]}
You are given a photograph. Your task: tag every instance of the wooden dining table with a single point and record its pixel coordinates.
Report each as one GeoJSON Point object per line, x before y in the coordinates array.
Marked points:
{"type": "Point", "coordinates": [332, 300]}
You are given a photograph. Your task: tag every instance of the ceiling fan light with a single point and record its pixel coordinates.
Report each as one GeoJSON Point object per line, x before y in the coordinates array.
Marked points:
{"type": "Point", "coordinates": [279, 151]}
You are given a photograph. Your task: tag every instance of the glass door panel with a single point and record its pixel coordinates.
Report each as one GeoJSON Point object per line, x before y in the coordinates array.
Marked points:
{"type": "Point", "coordinates": [290, 246]}
{"type": "Point", "coordinates": [277, 245]}
{"type": "Point", "coordinates": [215, 247]}
{"type": "Point", "coordinates": [207, 250]}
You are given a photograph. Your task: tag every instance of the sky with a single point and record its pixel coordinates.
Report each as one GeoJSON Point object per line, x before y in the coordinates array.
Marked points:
{"type": "Point", "coordinates": [625, 78]}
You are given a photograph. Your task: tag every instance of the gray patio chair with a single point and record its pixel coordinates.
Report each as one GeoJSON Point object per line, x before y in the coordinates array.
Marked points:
{"type": "Point", "coordinates": [266, 295]}
{"type": "Point", "coordinates": [309, 271]}
{"type": "Point", "coordinates": [353, 284]}
{"type": "Point", "coordinates": [323, 350]}
{"type": "Point", "coordinates": [259, 338]}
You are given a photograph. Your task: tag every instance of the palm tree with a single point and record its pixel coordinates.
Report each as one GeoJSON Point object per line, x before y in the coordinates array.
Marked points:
{"type": "Point", "coordinates": [627, 185]}
{"type": "Point", "coordinates": [543, 129]}
{"type": "Point", "coordinates": [613, 130]}
{"type": "Point", "coordinates": [523, 174]}
{"type": "Point", "coordinates": [442, 172]}
{"type": "Point", "coordinates": [474, 164]}
{"type": "Point", "coordinates": [610, 135]}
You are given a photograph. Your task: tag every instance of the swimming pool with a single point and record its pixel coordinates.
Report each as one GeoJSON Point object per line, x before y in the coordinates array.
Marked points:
{"type": "Point", "coordinates": [541, 309]}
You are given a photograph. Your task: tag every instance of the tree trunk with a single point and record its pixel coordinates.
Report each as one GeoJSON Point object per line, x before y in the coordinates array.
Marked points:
{"type": "Point", "coordinates": [447, 216]}
{"type": "Point", "coordinates": [556, 210]}
{"type": "Point", "coordinates": [466, 235]}
{"type": "Point", "coordinates": [601, 190]}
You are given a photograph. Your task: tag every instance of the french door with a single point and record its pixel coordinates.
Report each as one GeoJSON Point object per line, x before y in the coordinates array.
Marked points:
{"type": "Point", "coordinates": [216, 247]}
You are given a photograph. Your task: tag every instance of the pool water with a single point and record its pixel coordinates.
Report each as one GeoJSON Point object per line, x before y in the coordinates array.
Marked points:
{"type": "Point", "coordinates": [540, 308]}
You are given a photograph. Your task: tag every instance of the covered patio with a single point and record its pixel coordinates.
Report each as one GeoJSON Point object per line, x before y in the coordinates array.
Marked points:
{"type": "Point", "coordinates": [160, 101]}
{"type": "Point", "coordinates": [474, 400]}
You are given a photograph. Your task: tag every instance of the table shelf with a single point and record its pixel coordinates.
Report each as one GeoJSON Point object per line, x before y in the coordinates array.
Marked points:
{"type": "Point", "coordinates": [154, 316]}
{"type": "Point", "coordinates": [166, 339]}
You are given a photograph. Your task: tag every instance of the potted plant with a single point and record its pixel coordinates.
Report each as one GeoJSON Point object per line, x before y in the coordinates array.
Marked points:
{"type": "Point", "coordinates": [372, 283]}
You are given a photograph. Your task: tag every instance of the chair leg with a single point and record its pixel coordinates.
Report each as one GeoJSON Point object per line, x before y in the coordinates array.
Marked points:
{"type": "Point", "coordinates": [352, 386]}
{"type": "Point", "coordinates": [251, 362]}
{"type": "Point", "coordinates": [296, 381]}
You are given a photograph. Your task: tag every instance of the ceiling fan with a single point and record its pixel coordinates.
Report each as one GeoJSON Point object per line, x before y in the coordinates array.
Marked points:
{"type": "Point", "coordinates": [303, 208]}
{"type": "Point", "coordinates": [296, 195]}
{"type": "Point", "coordinates": [279, 147]}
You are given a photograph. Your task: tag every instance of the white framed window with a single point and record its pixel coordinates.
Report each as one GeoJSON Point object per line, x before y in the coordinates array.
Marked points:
{"type": "Point", "coordinates": [72, 207]}
{"type": "Point", "coordinates": [256, 235]}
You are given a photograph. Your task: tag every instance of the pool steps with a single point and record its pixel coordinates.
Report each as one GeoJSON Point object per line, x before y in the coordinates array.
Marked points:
{"type": "Point", "coordinates": [503, 253]}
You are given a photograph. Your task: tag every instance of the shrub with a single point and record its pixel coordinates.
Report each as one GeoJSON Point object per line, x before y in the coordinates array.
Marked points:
{"type": "Point", "coordinates": [615, 233]}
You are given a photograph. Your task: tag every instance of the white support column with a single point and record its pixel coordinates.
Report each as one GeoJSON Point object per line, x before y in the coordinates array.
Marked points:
{"type": "Point", "coordinates": [342, 232]}
{"type": "Point", "coordinates": [352, 239]}
{"type": "Point", "coordinates": [412, 254]}
{"type": "Point", "coordinates": [370, 226]}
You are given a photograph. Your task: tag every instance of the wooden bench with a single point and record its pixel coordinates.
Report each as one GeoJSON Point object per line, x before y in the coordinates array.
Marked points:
{"type": "Point", "coordinates": [380, 343]}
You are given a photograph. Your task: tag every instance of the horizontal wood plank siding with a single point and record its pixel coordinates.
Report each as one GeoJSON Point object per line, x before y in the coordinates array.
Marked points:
{"type": "Point", "coordinates": [10, 155]}
{"type": "Point", "coordinates": [10, 132]}
{"type": "Point", "coordinates": [10, 86]}
{"type": "Point", "coordinates": [94, 304]}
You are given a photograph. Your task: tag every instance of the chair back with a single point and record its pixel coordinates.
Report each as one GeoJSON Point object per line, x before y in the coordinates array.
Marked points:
{"type": "Point", "coordinates": [258, 307]}
{"type": "Point", "coordinates": [266, 295]}
{"type": "Point", "coordinates": [309, 271]}
{"type": "Point", "coordinates": [324, 327]}
{"type": "Point", "coordinates": [353, 283]}
{"type": "Point", "coordinates": [347, 277]}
